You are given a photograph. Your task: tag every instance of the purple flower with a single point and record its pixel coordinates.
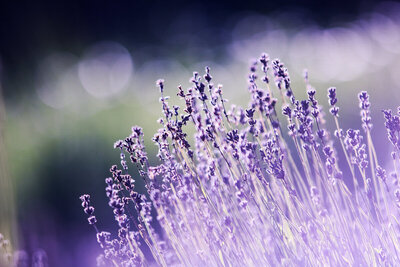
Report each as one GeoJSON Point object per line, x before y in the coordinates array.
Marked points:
{"type": "Point", "coordinates": [160, 84]}
{"type": "Point", "coordinates": [365, 113]}
{"type": "Point", "coordinates": [392, 125]}
{"type": "Point", "coordinates": [381, 173]}
{"type": "Point", "coordinates": [240, 192]}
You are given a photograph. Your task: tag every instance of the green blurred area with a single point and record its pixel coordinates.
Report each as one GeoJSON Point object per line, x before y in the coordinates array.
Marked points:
{"type": "Point", "coordinates": [7, 207]}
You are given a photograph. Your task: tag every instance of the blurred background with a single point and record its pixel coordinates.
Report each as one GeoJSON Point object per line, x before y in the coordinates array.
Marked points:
{"type": "Point", "coordinates": [76, 75]}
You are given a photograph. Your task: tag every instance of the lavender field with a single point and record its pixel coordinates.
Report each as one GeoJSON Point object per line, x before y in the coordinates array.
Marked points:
{"type": "Point", "coordinates": [270, 140]}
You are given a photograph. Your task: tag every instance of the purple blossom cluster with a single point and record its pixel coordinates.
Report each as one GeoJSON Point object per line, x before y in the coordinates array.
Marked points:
{"type": "Point", "coordinates": [253, 187]}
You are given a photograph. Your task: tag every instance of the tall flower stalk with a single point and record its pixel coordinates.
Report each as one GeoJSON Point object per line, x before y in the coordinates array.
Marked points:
{"type": "Point", "coordinates": [253, 187]}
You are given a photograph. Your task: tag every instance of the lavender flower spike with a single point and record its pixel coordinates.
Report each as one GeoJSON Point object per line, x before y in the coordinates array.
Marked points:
{"type": "Point", "coordinates": [334, 110]}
